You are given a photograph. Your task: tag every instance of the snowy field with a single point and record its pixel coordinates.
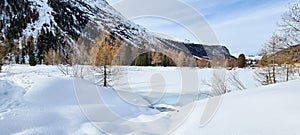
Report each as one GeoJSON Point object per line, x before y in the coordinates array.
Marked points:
{"type": "Point", "coordinates": [42, 100]}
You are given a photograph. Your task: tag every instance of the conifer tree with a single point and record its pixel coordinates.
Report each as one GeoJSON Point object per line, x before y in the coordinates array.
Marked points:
{"type": "Point", "coordinates": [2, 51]}
{"type": "Point", "coordinates": [32, 60]}
{"type": "Point", "coordinates": [102, 54]}
{"type": "Point", "coordinates": [181, 59]}
{"type": "Point", "coordinates": [49, 59]}
{"type": "Point", "coordinates": [23, 56]}
{"type": "Point", "coordinates": [242, 61]}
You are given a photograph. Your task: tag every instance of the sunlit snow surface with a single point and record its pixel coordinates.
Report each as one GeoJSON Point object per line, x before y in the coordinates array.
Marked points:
{"type": "Point", "coordinates": [41, 100]}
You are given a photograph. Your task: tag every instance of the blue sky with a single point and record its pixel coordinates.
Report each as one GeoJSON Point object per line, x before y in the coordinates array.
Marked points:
{"type": "Point", "coordinates": [241, 25]}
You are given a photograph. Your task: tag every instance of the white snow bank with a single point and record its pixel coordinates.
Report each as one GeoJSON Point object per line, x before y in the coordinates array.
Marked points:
{"type": "Point", "coordinates": [268, 110]}
{"type": "Point", "coordinates": [50, 104]}
{"type": "Point", "coordinates": [10, 97]}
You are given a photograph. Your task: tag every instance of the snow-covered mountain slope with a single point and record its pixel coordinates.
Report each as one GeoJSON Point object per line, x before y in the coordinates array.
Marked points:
{"type": "Point", "coordinates": [66, 21]}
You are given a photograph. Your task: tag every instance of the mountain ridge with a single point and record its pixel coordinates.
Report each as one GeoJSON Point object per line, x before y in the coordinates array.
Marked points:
{"type": "Point", "coordinates": [60, 23]}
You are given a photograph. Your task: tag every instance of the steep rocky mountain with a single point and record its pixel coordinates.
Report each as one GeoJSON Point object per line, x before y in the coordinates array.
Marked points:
{"type": "Point", "coordinates": [58, 24]}
{"type": "Point", "coordinates": [200, 50]}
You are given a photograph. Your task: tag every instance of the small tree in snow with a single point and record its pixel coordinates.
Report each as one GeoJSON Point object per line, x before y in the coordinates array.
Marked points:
{"type": "Point", "coordinates": [270, 49]}
{"type": "Point", "coordinates": [235, 80]}
{"type": "Point", "coordinates": [218, 83]}
{"type": "Point", "coordinates": [102, 55]}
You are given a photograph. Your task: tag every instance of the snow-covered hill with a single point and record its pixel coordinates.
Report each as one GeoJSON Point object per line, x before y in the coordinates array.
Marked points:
{"type": "Point", "coordinates": [41, 100]}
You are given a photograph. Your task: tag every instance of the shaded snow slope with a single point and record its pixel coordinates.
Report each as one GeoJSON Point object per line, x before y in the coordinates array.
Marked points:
{"type": "Point", "coordinates": [11, 97]}
{"type": "Point", "coordinates": [50, 104]}
{"type": "Point", "coordinates": [269, 110]}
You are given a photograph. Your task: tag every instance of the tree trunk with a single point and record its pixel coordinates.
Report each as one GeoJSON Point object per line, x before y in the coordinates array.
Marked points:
{"type": "Point", "coordinates": [287, 73]}
{"type": "Point", "coordinates": [274, 58]}
{"type": "Point", "coordinates": [269, 74]}
{"type": "Point", "coordinates": [105, 77]}
{"type": "Point", "coordinates": [274, 76]}
{"type": "Point", "coordinates": [105, 72]}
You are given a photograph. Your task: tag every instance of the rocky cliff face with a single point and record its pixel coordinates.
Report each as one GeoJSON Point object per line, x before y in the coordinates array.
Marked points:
{"type": "Point", "coordinates": [199, 50]}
